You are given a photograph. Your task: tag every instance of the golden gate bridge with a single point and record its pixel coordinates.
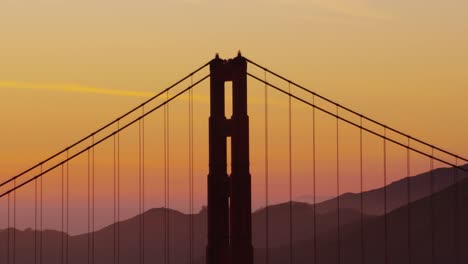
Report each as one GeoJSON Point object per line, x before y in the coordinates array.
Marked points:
{"type": "Point", "coordinates": [414, 219]}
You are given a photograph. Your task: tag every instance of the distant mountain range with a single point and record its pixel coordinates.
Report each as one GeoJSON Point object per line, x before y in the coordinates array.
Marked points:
{"type": "Point", "coordinates": [397, 192]}
{"type": "Point", "coordinates": [450, 212]}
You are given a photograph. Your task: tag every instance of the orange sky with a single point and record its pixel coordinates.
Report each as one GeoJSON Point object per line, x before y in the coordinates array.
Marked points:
{"type": "Point", "coordinates": [68, 68]}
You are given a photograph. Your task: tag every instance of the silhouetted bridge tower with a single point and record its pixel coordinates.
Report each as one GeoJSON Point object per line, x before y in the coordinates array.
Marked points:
{"type": "Point", "coordinates": [229, 196]}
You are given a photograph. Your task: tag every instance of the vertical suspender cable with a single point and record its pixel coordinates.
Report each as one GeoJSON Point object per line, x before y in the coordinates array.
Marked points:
{"type": "Point", "coordinates": [166, 178]}
{"type": "Point", "coordinates": [8, 228]}
{"type": "Point", "coordinates": [62, 246]}
{"type": "Point", "coordinates": [143, 183]}
{"type": "Point", "coordinates": [385, 194]}
{"type": "Point", "coordinates": [431, 199]}
{"type": "Point", "coordinates": [41, 218]}
{"type": "Point", "coordinates": [14, 223]}
{"type": "Point", "coordinates": [338, 223]}
{"type": "Point", "coordinates": [88, 235]}
{"type": "Point", "coordinates": [35, 221]}
{"type": "Point", "coordinates": [193, 166]}
{"type": "Point", "coordinates": [189, 178]}
{"type": "Point", "coordinates": [118, 193]}
{"type": "Point", "coordinates": [168, 187]}
{"type": "Point", "coordinates": [115, 200]}
{"type": "Point", "coordinates": [68, 211]}
{"type": "Point", "coordinates": [165, 184]}
{"type": "Point", "coordinates": [456, 216]}
{"type": "Point", "coordinates": [190, 139]}
{"type": "Point", "coordinates": [290, 181]}
{"type": "Point", "coordinates": [193, 170]}
{"type": "Point", "coordinates": [408, 196]}
{"type": "Point", "coordinates": [139, 195]}
{"type": "Point", "coordinates": [314, 164]}
{"type": "Point", "coordinates": [361, 172]}
{"type": "Point", "coordinates": [189, 172]}
{"type": "Point", "coordinates": [192, 173]}
{"type": "Point", "coordinates": [267, 222]}
{"type": "Point", "coordinates": [93, 203]}
{"type": "Point", "coordinates": [192, 195]}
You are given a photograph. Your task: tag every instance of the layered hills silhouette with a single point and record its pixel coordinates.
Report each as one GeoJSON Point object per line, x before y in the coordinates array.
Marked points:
{"type": "Point", "coordinates": [397, 196]}
{"type": "Point", "coordinates": [449, 210]}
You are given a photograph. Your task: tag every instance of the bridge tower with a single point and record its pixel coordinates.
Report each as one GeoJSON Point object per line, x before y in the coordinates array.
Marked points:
{"type": "Point", "coordinates": [229, 196]}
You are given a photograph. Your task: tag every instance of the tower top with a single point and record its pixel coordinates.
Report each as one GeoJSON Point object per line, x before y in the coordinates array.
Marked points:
{"type": "Point", "coordinates": [239, 55]}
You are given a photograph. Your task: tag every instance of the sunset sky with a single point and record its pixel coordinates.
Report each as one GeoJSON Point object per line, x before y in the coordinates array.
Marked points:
{"type": "Point", "coordinates": [68, 67]}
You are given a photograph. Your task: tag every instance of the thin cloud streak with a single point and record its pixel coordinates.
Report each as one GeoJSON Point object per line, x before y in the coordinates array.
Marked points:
{"type": "Point", "coordinates": [73, 88]}
{"type": "Point", "coordinates": [343, 8]}
{"type": "Point", "coordinates": [76, 88]}
{"type": "Point", "coordinates": [358, 9]}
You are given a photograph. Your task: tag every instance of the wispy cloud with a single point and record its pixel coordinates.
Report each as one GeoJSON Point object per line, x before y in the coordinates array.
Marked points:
{"type": "Point", "coordinates": [76, 88]}
{"type": "Point", "coordinates": [354, 8]}
{"type": "Point", "coordinates": [346, 8]}
{"type": "Point", "coordinates": [72, 88]}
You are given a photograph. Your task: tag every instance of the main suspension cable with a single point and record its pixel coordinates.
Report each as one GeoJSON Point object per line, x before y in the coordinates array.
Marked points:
{"type": "Point", "coordinates": [408, 147]}
{"type": "Point", "coordinates": [105, 126]}
{"type": "Point", "coordinates": [357, 125]}
{"type": "Point", "coordinates": [104, 138]}
{"type": "Point", "coordinates": [354, 112]}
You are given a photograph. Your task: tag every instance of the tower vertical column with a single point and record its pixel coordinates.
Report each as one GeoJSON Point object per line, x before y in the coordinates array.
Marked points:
{"type": "Point", "coordinates": [241, 204]}
{"type": "Point", "coordinates": [217, 251]}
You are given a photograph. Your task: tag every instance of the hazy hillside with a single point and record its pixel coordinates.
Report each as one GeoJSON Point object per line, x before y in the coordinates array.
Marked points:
{"type": "Point", "coordinates": [396, 192]}
{"type": "Point", "coordinates": [451, 234]}
{"type": "Point", "coordinates": [179, 235]}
